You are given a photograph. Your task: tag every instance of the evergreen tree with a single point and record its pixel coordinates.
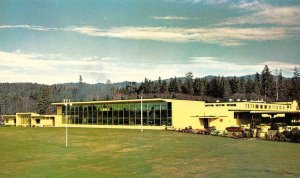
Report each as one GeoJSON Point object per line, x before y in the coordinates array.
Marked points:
{"type": "Point", "coordinates": [249, 85]}
{"type": "Point", "coordinates": [296, 72]}
{"type": "Point", "coordinates": [188, 85]}
{"type": "Point", "coordinates": [43, 100]}
{"type": "Point", "coordinates": [242, 85]}
{"type": "Point", "coordinates": [295, 85]}
{"type": "Point", "coordinates": [282, 87]}
{"type": "Point", "coordinates": [226, 91]}
{"type": "Point", "coordinates": [267, 81]}
{"type": "Point", "coordinates": [172, 86]}
{"type": "Point", "coordinates": [234, 85]}
{"type": "Point", "coordinates": [131, 87]}
{"type": "Point", "coordinates": [148, 86]}
{"type": "Point", "coordinates": [197, 86]}
{"type": "Point", "coordinates": [80, 89]}
{"type": "Point", "coordinates": [214, 88]}
{"type": "Point", "coordinates": [158, 85]}
{"type": "Point", "coordinates": [156, 88]}
{"type": "Point", "coordinates": [203, 87]}
{"type": "Point", "coordinates": [179, 86]}
{"type": "Point", "coordinates": [164, 87]}
{"type": "Point", "coordinates": [257, 84]}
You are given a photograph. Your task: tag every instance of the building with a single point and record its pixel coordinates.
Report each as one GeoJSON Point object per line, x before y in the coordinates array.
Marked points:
{"type": "Point", "coordinates": [156, 113]}
{"type": "Point", "coordinates": [159, 113]}
{"type": "Point", "coordinates": [248, 113]}
{"type": "Point", "coordinates": [30, 120]}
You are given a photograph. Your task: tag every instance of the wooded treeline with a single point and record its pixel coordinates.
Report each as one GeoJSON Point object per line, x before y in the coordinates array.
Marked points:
{"type": "Point", "coordinates": [29, 97]}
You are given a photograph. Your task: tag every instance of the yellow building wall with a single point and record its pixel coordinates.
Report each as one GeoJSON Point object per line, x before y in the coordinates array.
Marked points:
{"type": "Point", "coordinates": [59, 110]}
{"type": "Point", "coordinates": [58, 121]}
{"type": "Point", "coordinates": [44, 122]}
{"type": "Point", "coordinates": [47, 122]}
{"type": "Point", "coordinates": [116, 126]}
{"type": "Point", "coordinates": [23, 119]}
{"type": "Point", "coordinates": [224, 118]}
{"type": "Point", "coordinates": [10, 121]}
{"type": "Point", "coordinates": [184, 112]}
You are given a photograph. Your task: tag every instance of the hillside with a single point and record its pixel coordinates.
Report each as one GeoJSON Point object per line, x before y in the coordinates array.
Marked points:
{"type": "Point", "coordinates": [33, 97]}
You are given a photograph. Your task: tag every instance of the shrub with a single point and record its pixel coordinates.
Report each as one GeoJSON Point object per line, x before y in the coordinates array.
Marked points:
{"type": "Point", "coordinates": [295, 135]}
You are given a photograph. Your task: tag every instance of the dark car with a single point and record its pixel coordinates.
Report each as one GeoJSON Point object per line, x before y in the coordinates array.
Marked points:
{"type": "Point", "coordinates": [276, 126]}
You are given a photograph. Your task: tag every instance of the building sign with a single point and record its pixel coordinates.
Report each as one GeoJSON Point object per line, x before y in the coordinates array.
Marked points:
{"type": "Point", "coordinates": [104, 109]}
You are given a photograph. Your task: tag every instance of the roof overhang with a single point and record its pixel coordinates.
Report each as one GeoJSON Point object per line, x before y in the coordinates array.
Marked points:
{"type": "Point", "coordinates": [274, 112]}
{"type": "Point", "coordinates": [114, 101]}
{"type": "Point", "coordinates": [208, 117]}
{"type": "Point", "coordinates": [8, 116]}
{"type": "Point", "coordinates": [43, 116]}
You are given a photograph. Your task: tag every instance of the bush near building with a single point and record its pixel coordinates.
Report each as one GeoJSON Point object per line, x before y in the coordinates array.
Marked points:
{"type": "Point", "coordinates": [286, 136]}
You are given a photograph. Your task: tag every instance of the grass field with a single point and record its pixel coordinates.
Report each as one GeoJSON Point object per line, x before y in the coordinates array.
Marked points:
{"type": "Point", "coordinates": [41, 152]}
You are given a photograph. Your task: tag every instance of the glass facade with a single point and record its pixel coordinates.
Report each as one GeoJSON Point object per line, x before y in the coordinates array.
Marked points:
{"type": "Point", "coordinates": [154, 114]}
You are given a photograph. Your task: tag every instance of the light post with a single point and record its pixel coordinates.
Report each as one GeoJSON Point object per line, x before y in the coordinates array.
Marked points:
{"type": "Point", "coordinates": [141, 110]}
{"type": "Point", "coordinates": [66, 103]}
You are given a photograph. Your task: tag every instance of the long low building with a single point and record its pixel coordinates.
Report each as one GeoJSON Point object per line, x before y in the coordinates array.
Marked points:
{"type": "Point", "coordinates": [159, 113]}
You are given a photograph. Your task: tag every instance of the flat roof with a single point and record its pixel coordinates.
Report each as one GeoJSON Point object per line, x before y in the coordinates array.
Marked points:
{"type": "Point", "coordinates": [275, 112]}
{"type": "Point", "coordinates": [8, 115]}
{"type": "Point", "coordinates": [208, 117]}
{"type": "Point", "coordinates": [115, 101]}
{"type": "Point", "coordinates": [249, 102]}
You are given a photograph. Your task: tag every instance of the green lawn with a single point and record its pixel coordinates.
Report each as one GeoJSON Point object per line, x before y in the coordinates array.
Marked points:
{"type": "Point", "coordinates": [41, 152]}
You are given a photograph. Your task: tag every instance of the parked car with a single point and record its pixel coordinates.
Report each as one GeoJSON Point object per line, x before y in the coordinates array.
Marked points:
{"type": "Point", "coordinates": [278, 126]}
{"type": "Point", "coordinates": [291, 127]}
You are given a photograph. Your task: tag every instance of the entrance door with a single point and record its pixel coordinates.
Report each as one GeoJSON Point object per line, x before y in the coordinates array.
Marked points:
{"type": "Point", "coordinates": [206, 123]}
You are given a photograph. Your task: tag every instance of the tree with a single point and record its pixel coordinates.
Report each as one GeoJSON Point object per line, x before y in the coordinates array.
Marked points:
{"type": "Point", "coordinates": [188, 85]}
{"type": "Point", "coordinates": [148, 86]}
{"type": "Point", "coordinates": [214, 88]}
{"type": "Point", "coordinates": [156, 88]}
{"type": "Point", "coordinates": [294, 91]}
{"type": "Point", "coordinates": [257, 84]}
{"type": "Point", "coordinates": [242, 85]}
{"type": "Point", "coordinates": [282, 86]}
{"type": "Point", "coordinates": [296, 72]}
{"type": "Point", "coordinates": [234, 85]}
{"type": "Point", "coordinates": [158, 85]}
{"type": "Point", "coordinates": [225, 86]}
{"type": "Point", "coordinates": [109, 90]}
{"type": "Point", "coordinates": [197, 87]}
{"type": "Point", "coordinates": [164, 87]}
{"type": "Point", "coordinates": [43, 100]}
{"type": "Point", "coordinates": [80, 88]}
{"type": "Point", "coordinates": [173, 85]}
{"type": "Point", "coordinates": [131, 87]}
{"type": "Point", "coordinates": [249, 85]}
{"type": "Point", "coordinates": [266, 81]}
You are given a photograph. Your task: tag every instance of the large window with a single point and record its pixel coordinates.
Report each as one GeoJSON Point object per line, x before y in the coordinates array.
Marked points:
{"type": "Point", "coordinates": [154, 114]}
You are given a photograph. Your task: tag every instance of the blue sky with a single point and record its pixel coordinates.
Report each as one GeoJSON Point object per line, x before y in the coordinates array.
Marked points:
{"type": "Point", "coordinates": [55, 41]}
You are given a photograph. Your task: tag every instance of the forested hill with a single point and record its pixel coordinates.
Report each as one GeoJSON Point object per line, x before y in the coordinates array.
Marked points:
{"type": "Point", "coordinates": [32, 97]}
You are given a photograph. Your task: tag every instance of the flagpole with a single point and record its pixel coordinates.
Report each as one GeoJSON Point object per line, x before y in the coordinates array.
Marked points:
{"type": "Point", "coordinates": [141, 113]}
{"type": "Point", "coordinates": [66, 103]}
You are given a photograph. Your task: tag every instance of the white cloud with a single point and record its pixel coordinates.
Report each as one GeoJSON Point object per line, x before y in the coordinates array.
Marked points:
{"type": "Point", "coordinates": [48, 68]}
{"type": "Point", "coordinates": [225, 36]}
{"type": "Point", "coordinates": [202, 1]}
{"type": "Point", "coordinates": [29, 27]}
{"type": "Point", "coordinates": [171, 18]}
{"type": "Point", "coordinates": [262, 13]}
{"type": "Point", "coordinates": [22, 67]}
{"type": "Point", "coordinates": [288, 67]}
{"type": "Point", "coordinates": [222, 36]}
